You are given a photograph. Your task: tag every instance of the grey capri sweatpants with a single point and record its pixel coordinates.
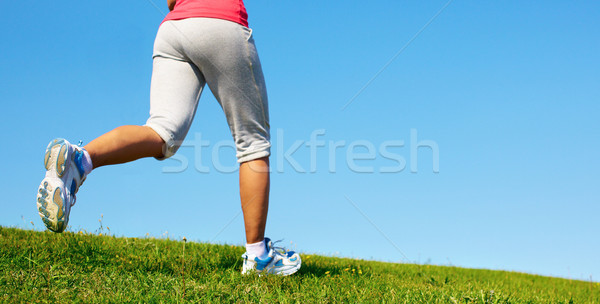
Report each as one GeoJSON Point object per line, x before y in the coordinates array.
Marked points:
{"type": "Point", "coordinates": [190, 53]}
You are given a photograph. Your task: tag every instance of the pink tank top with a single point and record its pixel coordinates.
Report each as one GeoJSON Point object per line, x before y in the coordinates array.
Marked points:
{"type": "Point", "coordinates": [232, 10]}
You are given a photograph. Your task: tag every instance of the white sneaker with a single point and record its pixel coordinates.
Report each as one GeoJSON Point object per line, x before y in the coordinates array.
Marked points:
{"type": "Point", "coordinates": [279, 261]}
{"type": "Point", "coordinates": [64, 175]}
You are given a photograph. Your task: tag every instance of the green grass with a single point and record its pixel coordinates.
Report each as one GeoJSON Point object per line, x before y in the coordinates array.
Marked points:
{"type": "Point", "coordinates": [82, 267]}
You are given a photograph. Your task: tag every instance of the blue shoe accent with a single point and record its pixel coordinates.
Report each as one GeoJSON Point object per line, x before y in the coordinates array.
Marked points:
{"type": "Point", "coordinates": [78, 159]}
{"type": "Point", "coordinates": [279, 263]}
{"type": "Point", "coordinates": [261, 264]}
{"type": "Point", "coordinates": [73, 187]}
{"type": "Point", "coordinates": [294, 259]}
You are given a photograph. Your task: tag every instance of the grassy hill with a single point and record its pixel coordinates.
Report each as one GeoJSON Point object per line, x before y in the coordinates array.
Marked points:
{"type": "Point", "coordinates": [82, 267]}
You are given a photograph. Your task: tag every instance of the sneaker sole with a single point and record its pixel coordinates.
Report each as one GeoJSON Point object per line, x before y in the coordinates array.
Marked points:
{"type": "Point", "coordinates": [50, 201]}
{"type": "Point", "coordinates": [51, 206]}
{"type": "Point", "coordinates": [56, 156]}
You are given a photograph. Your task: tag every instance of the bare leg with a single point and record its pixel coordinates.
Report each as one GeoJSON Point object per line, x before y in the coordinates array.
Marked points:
{"type": "Point", "coordinates": [125, 144]}
{"type": "Point", "coordinates": [254, 193]}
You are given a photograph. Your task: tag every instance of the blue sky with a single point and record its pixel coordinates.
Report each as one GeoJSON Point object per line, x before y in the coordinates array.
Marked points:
{"type": "Point", "coordinates": [508, 92]}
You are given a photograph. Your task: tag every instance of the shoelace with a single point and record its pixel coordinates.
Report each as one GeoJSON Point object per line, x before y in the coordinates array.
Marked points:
{"type": "Point", "coordinates": [277, 249]}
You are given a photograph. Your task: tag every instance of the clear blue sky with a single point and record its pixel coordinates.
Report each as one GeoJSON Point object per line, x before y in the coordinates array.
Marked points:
{"type": "Point", "coordinates": [509, 92]}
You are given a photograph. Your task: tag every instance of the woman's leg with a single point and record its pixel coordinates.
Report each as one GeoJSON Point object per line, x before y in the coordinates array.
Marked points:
{"type": "Point", "coordinates": [254, 193]}
{"type": "Point", "coordinates": [229, 61]}
{"type": "Point", "coordinates": [125, 144]}
{"type": "Point", "coordinates": [225, 53]}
